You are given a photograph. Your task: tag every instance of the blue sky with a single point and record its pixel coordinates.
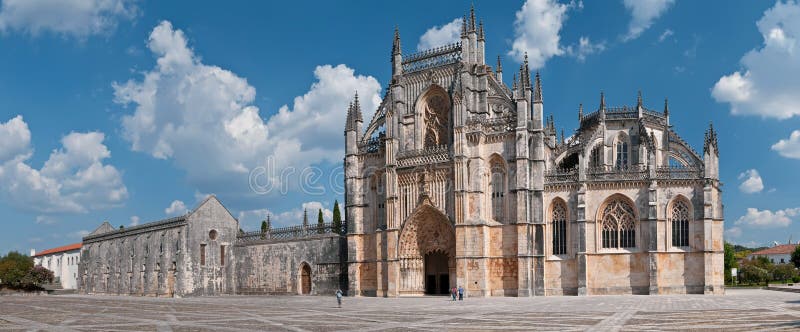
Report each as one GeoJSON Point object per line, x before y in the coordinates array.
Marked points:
{"type": "Point", "coordinates": [133, 111]}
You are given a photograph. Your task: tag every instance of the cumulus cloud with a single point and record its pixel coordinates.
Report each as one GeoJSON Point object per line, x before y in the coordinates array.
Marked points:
{"type": "Point", "coordinates": [643, 13]}
{"type": "Point", "coordinates": [767, 218]}
{"type": "Point", "coordinates": [752, 182]}
{"type": "Point", "coordinates": [536, 31]}
{"type": "Point", "coordinates": [252, 218]}
{"type": "Point", "coordinates": [176, 208]}
{"type": "Point", "coordinates": [585, 47]}
{"type": "Point", "coordinates": [733, 232]}
{"type": "Point", "coordinates": [79, 18]}
{"type": "Point", "coordinates": [767, 83]}
{"type": "Point", "coordinates": [203, 119]}
{"type": "Point", "coordinates": [134, 221]}
{"type": "Point", "coordinates": [790, 147]}
{"type": "Point", "coordinates": [440, 35]}
{"type": "Point", "coordinates": [72, 180]}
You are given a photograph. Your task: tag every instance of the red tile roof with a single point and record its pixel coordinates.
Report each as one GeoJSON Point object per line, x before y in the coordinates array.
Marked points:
{"type": "Point", "coordinates": [776, 250]}
{"type": "Point", "coordinates": [59, 249]}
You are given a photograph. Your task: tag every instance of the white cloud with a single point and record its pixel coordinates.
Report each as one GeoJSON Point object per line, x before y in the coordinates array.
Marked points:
{"type": "Point", "coordinates": [79, 234]}
{"type": "Point", "coordinates": [79, 18]}
{"type": "Point", "coordinates": [45, 220]}
{"type": "Point", "coordinates": [666, 34]}
{"type": "Point", "coordinates": [73, 179]}
{"type": "Point", "coordinates": [643, 13]}
{"type": "Point", "coordinates": [536, 31]}
{"type": "Point", "coordinates": [767, 83]}
{"type": "Point", "coordinates": [733, 232]}
{"type": "Point", "coordinates": [752, 182]}
{"type": "Point", "coordinates": [790, 147]}
{"type": "Point", "coordinates": [251, 219]}
{"type": "Point", "coordinates": [767, 218]}
{"type": "Point", "coordinates": [134, 221]}
{"type": "Point", "coordinates": [585, 47]}
{"type": "Point", "coordinates": [440, 35]}
{"type": "Point", "coordinates": [176, 208]}
{"type": "Point", "coordinates": [202, 117]}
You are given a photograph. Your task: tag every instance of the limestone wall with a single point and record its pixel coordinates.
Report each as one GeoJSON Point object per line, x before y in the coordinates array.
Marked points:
{"type": "Point", "coordinates": [275, 267]}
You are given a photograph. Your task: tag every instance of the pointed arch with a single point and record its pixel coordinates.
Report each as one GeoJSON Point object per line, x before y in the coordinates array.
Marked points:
{"type": "Point", "coordinates": [558, 216]}
{"type": "Point", "coordinates": [304, 287]}
{"type": "Point", "coordinates": [617, 223]}
{"type": "Point", "coordinates": [434, 109]}
{"type": "Point", "coordinates": [679, 217]}
{"type": "Point", "coordinates": [426, 229]}
{"type": "Point", "coordinates": [622, 147]}
{"type": "Point", "coordinates": [498, 186]}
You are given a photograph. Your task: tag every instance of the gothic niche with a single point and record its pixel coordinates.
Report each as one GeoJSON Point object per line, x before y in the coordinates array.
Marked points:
{"type": "Point", "coordinates": [435, 108]}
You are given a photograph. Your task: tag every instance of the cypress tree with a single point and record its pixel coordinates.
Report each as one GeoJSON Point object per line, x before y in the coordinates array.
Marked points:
{"type": "Point", "coordinates": [320, 223]}
{"type": "Point", "coordinates": [337, 218]}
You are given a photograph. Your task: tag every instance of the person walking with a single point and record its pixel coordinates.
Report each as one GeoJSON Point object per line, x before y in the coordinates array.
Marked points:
{"type": "Point", "coordinates": [339, 297]}
{"type": "Point", "coordinates": [460, 293]}
{"type": "Point", "coordinates": [453, 292]}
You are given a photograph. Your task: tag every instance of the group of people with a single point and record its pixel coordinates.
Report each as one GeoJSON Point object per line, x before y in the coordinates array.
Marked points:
{"type": "Point", "coordinates": [457, 293]}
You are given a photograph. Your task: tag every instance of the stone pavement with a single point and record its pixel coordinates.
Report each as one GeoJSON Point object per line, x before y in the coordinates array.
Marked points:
{"type": "Point", "coordinates": [739, 310]}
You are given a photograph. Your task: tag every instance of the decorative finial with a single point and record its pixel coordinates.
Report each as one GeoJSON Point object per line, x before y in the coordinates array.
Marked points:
{"type": "Point", "coordinates": [639, 99]}
{"type": "Point", "coordinates": [305, 217]}
{"type": "Point", "coordinates": [602, 101]}
{"type": "Point", "coordinates": [464, 26]}
{"type": "Point", "coordinates": [580, 112]}
{"type": "Point", "coordinates": [499, 65]}
{"type": "Point", "coordinates": [562, 135]}
{"type": "Point", "coordinates": [514, 85]}
{"type": "Point", "coordinates": [666, 107]}
{"type": "Point", "coordinates": [481, 34]}
{"type": "Point", "coordinates": [537, 89]}
{"type": "Point", "coordinates": [472, 18]}
{"type": "Point", "coordinates": [396, 49]}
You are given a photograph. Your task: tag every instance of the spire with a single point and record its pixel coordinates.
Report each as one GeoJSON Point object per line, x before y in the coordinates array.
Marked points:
{"type": "Point", "coordinates": [305, 217]}
{"type": "Point", "coordinates": [580, 112]}
{"type": "Point", "coordinates": [526, 73]}
{"type": "Point", "coordinates": [481, 35]}
{"type": "Point", "coordinates": [472, 18]}
{"type": "Point", "coordinates": [514, 85]}
{"type": "Point", "coordinates": [354, 115]}
{"type": "Point", "coordinates": [463, 26]}
{"type": "Point", "coordinates": [710, 140]}
{"type": "Point", "coordinates": [499, 65]}
{"type": "Point", "coordinates": [666, 107]}
{"type": "Point", "coordinates": [357, 109]}
{"type": "Point", "coordinates": [537, 89]}
{"type": "Point", "coordinates": [562, 135]}
{"type": "Point", "coordinates": [639, 100]}
{"type": "Point", "coordinates": [602, 101]}
{"type": "Point", "coordinates": [396, 49]}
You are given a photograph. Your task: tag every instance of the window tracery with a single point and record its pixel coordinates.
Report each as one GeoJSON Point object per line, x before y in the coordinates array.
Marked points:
{"type": "Point", "coordinates": [618, 225]}
{"type": "Point", "coordinates": [558, 217]}
{"type": "Point", "coordinates": [498, 190]}
{"type": "Point", "coordinates": [679, 218]}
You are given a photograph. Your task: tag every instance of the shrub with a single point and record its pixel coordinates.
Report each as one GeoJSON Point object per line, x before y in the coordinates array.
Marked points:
{"type": "Point", "coordinates": [784, 272]}
{"type": "Point", "coordinates": [13, 268]}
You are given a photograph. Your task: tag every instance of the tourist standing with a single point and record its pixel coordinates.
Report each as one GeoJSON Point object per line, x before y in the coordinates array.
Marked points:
{"type": "Point", "coordinates": [453, 292]}
{"type": "Point", "coordinates": [460, 293]}
{"type": "Point", "coordinates": [339, 297]}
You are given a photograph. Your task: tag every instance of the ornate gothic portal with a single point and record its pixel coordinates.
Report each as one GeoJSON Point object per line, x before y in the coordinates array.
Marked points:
{"type": "Point", "coordinates": [427, 252]}
{"type": "Point", "coordinates": [436, 110]}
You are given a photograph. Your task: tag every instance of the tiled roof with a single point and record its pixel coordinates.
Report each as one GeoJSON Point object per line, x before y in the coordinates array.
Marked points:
{"type": "Point", "coordinates": [68, 247]}
{"type": "Point", "coordinates": [777, 250]}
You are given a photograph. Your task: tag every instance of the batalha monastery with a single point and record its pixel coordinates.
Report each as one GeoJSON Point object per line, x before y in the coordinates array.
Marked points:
{"type": "Point", "coordinates": [459, 180]}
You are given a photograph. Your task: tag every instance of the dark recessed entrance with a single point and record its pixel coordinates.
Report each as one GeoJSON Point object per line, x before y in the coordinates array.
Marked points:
{"type": "Point", "coordinates": [437, 274]}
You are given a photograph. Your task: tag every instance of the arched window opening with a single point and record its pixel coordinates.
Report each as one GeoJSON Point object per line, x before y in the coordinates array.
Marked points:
{"type": "Point", "coordinates": [558, 217]}
{"type": "Point", "coordinates": [596, 157]}
{"type": "Point", "coordinates": [618, 225]}
{"type": "Point", "coordinates": [622, 154]}
{"type": "Point", "coordinates": [498, 191]}
{"type": "Point", "coordinates": [679, 217]}
{"type": "Point", "coordinates": [569, 162]}
{"type": "Point", "coordinates": [436, 112]}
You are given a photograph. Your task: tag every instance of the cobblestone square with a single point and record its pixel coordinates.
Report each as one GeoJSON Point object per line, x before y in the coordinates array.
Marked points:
{"type": "Point", "coordinates": [739, 310]}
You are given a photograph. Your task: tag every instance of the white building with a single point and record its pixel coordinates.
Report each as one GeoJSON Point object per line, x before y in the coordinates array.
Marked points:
{"type": "Point", "coordinates": [63, 261]}
{"type": "Point", "coordinates": [778, 254]}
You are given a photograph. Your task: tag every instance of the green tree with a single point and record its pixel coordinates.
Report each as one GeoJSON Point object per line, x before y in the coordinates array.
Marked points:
{"type": "Point", "coordinates": [37, 276]}
{"type": "Point", "coordinates": [783, 272]}
{"type": "Point", "coordinates": [13, 268]}
{"type": "Point", "coordinates": [264, 229]}
{"type": "Point", "coordinates": [730, 261]}
{"type": "Point", "coordinates": [337, 218]}
{"type": "Point", "coordinates": [320, 223]}
{"type": "Point", "coordinates": [796, 257]}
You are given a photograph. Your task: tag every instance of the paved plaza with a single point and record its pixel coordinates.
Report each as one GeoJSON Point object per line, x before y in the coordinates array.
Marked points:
{"type": "Point", "coordinates": [739, 310]}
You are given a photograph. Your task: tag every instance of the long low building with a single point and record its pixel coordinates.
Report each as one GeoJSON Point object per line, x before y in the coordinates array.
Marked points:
{"type": "Point", "coordinates": [62, 261]}
{"type": "Point", "coordinates": [204, 253]}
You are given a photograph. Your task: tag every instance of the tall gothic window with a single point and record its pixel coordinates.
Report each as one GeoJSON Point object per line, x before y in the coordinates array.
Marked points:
{"type": "Point", "coordinates": [596, 157]}
{"type": "Point", "coordinates": [618, 225]}
{"type": "Point", "coordinates": [436, 112]}
{"type": "Point", "coordinates": [558, 217]}
{"type": "Point", "coordinates": [679, 217]}
{"type": "Point", "coordinates": [622, 154]}
{"type": "Point", "coordinates": [498, 191]}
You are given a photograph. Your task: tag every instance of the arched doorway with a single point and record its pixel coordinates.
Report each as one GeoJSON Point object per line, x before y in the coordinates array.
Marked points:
{"type": "Point", "coordinates": [305, 279]}
{"type": "Point", "coordinates": [426, 252]}
{"type": "Point", "coordinates": [437, 273]}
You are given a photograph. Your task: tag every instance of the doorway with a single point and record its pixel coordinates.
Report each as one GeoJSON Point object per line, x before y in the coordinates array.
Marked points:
{"type": "Point", "coordinates": [437, 274]}
{"type": "Point", "coordinates": [305, 279]}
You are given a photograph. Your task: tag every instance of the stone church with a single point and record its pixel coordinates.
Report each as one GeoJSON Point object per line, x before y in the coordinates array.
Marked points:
{"type": "Point", "coordinates": [459, 180]}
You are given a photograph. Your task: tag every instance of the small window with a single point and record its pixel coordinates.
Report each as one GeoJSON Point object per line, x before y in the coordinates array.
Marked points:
{"type": "Point", "coordinates": [222, 255]}
{"type": "Point", "coordinates": [212, 234]}
{"type": "Point", "coordinates": [202, 254]}
{"type": "Point", "coordinates": [782, 261]}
